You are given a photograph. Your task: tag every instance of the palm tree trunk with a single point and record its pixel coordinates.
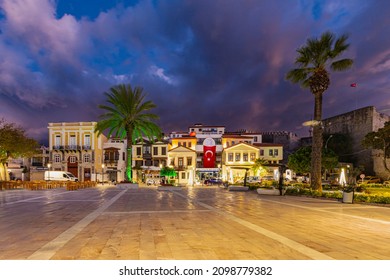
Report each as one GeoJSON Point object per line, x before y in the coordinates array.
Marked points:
{"type": "Point", "coordinates": [316, 153]}
{"type": "Point", "coordinates": [129, 159]}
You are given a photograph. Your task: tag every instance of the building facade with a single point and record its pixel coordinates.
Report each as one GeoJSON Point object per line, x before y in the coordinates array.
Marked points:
{"type": "Point", "coordinates": [76, 147]}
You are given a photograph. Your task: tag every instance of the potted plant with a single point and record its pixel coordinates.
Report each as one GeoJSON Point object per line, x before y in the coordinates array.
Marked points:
{"type": "Point", "coordinates": [348, 193]}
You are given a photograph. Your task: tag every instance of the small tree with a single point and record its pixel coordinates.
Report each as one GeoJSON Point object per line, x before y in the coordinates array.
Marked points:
{"type": "Point", "coordinates": [168, 172]}
{"type": "Point", "coordinates": [380, 140]}
{"type": "Point", "coordinates": [13, 144]}
{"type": "Point", "coordinates": [300, 161]}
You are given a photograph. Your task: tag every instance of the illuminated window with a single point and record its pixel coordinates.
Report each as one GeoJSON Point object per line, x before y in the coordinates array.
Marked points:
{"type": "Point", "coordinates": [271, 152]}
{"type": "Point", "coordinates": [253, 156]}
{"type": "Point", "coordinates": [230, 156]}
{"type": "Point", "coordinates": [238, 157]}
{"type": "Point", "coordinates": [245, 157]}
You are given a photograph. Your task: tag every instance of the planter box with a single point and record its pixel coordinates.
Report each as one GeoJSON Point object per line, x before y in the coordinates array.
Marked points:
{"type": "Point", "coordinates": [270, 191]}
{"type": "Point", "coordinates": [127, 186]}
{"type": "Point", "coordinates": [168, 188]}
{"type": "Point", "coordinates": [347, 197]}
{"type": "Point", "coordinates": [238, 188]}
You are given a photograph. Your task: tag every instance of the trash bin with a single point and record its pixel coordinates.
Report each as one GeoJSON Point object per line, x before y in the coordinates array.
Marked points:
{"type": "Point", "coordinates": [348, 197]}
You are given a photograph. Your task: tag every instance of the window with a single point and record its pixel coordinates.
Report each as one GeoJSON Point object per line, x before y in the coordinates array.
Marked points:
{"type": "Point", "coordinates": [155, 150]}
{"type": "Point", "coordinates": [87, 158]}
{"type": "Point", "coordinates": [57, 158]}
{"type": "Point", "coordinates": [276, 152]}
{"type": "Point", "coordinates": [253, 156]}
{"type": "Point", "coordinates": [72, 159]}
{"type": "Point", "coordinates": [180, 162]}
{"type": "Point", "coordinates": [245, 157]}
{"type": "Point", "coordinates": [87, 140]}
{"type": "Point", "coordinates": [189, 144]}
{"type": "Point", "coordinates": [184, 144]}
{"type": "Point", "coordinates": [164, 151]}
{"type": "Point", "coordinates": [255, 139]}
{"type": "Point", "coordinates": [72, 140]}
{"type": "Point", "coordinates": [139, 151]}
{"type": "Point", "coordinates": [271, 152]}
{"type": "Point", "coordinates": [261, 152]}
{"type": "Point", "coordinates": [230, 156]}
{"type": "Point", "coordinates": [58, 140]}
{"type": "Point", "coordinates": [189, 161]}
{"type": "Point", "coordinates": [238, 157]}
{"type": "Point", "coordinates": [183, 175]}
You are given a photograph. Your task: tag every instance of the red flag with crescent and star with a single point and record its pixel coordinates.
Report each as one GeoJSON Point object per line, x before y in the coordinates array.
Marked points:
{"type": "Point", "coordinates": [209, 156]}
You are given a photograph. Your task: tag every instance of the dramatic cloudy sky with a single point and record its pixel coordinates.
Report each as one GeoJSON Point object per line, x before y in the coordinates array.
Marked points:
{"type": "Point", "coordinates": [216, 62]}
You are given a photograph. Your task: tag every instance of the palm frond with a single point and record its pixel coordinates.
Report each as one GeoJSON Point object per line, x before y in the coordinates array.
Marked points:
{"type": "Point", "coordinates": [342, 64]}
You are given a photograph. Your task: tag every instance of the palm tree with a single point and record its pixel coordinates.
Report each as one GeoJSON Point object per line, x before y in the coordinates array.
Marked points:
{"type": "Point", "coordinates": [127, 117]}
{"type": "Point", "coordinates": [314, 61]}
{"type": "Point", "coordinates": [259, 166]}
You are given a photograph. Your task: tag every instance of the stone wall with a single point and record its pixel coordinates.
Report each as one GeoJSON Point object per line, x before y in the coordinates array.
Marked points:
{"type": "Point", "coordinates": [357, 124]}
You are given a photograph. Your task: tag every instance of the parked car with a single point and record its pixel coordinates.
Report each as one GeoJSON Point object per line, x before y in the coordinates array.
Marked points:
{"type": "Point", "coordinates": [369, 180]}
{"type": "Point", "coordinates": [213, 181]}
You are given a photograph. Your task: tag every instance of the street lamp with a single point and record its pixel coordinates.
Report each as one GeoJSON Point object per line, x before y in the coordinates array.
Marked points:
{"type": "Point", "coordinates": [326, 143]}
{"type": "Point", "coordinates": [48, 172]}
{"type": "Point", "coordinates": [102, 173]}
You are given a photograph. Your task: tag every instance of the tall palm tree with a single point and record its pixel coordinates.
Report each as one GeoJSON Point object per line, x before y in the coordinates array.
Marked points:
{"type": "Point", "coordinates": [127, 116]}
{"type": "Point", "coordinates": [314, 61]}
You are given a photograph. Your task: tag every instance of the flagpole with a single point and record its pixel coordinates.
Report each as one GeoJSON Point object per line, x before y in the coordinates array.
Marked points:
{"type": "Point", "coordinates": [355, 85]}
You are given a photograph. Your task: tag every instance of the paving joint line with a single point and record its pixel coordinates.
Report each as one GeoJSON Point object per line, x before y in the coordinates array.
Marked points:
{"type": "Point", "coordinates": [48, 250]}
{"type": "Point", "coordinates": [307, 251]}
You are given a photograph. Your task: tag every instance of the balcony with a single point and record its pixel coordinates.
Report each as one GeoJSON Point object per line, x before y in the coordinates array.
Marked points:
{"type": "Point", "coordinates": [111, 161]}
{"type": "Point", "coordinates": [67, 148]}
{"type": "Point", "coordinates": [147, 155]}
{"type": "Point", "coordinates": [86, 147]}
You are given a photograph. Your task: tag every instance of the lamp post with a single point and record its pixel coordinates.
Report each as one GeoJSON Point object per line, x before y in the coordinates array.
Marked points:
{"type": "Point", "coordinates": [48, 172]}
{"type": "Point", "coordinates": [103, 173]}
{"type": "Point", "coordinates": [326, 143]}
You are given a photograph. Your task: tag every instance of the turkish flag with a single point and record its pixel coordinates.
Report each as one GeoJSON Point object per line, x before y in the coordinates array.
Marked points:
{"type": "Point", "coordinates": [209, 156]}
{"type": "Point", "coordinates": [353, 85]}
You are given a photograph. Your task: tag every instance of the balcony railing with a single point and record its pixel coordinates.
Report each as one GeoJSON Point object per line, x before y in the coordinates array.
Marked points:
{"type": "Point", "coordinates": [67, 147]}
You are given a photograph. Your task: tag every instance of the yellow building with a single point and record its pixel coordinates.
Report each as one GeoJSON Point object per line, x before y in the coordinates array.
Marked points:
{"type": "Point", "coordinates": [239, 158]}
{"type": "Point", "coordinates": [271, 152]}
{"type": "Point", "coordinates": [183, 160]}
{"type": "Point", "coordinates": [185, 141]}
{"type": "Point", "coordinates": [76, 148]}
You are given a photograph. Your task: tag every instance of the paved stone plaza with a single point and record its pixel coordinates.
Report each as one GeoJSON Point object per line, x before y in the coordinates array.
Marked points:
{"type": "Point", "coordinates": [203, 223]}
